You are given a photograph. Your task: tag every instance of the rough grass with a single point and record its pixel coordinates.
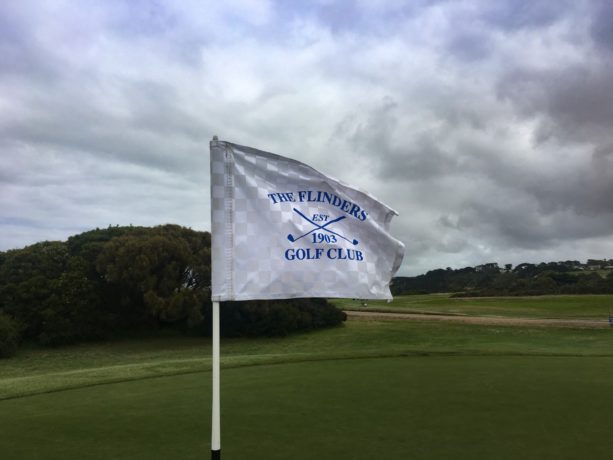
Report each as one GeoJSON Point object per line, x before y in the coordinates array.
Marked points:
{"type": "Point", "coordinates": [552, 307]}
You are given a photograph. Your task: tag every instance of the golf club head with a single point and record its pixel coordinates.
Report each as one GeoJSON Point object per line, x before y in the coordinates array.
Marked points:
{"type": "Point", "coordinates": [290, 237]}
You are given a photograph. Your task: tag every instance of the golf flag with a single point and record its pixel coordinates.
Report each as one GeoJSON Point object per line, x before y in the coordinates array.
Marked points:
{"type": "Point", "coordinates": [281, 229]}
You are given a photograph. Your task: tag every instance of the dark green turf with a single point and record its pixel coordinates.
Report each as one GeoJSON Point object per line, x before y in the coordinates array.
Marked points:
{"type": "Point", "coordinates": [35, 371]}
{"type": "Point", "coordinates": [396, 408]}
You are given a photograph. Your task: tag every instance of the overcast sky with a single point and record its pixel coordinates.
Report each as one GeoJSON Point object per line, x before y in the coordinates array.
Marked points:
{"type": "Point", "coordinates": [487, 124]}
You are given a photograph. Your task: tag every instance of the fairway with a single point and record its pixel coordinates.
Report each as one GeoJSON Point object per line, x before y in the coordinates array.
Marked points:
{"type": "Point", "coordinates": [589, 307]}
{"type": "Point", "coordinates": [376, 389]}
{"type": "Point", "coordinates": [393, 408]}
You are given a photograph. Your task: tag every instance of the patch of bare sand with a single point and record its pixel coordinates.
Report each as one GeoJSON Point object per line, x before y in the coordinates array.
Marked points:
{"type": "Point", "coordinates": [486, 320]}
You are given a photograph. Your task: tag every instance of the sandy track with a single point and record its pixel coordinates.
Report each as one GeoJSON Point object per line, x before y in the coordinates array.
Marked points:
{"type": "Point", "coordinates": [487, 320]}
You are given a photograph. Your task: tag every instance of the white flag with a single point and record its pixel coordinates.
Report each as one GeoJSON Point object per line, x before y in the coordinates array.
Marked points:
{"type": "Point", "coordinates": [281, 229]}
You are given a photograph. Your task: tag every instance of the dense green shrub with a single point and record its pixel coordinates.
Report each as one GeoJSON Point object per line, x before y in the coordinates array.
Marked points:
{"type": "Point", "coordinates": [9, 336]}
{"type": "Point", "coordinates": [126, 280]}
{"type": "Point", "coordinates": [275, 317]}
{"type": "Point", "coordinates": [569, 277]}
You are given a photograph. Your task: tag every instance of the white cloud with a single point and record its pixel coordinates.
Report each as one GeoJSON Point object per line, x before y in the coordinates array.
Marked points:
{"type": "Point", "coordinates": [473, 120]}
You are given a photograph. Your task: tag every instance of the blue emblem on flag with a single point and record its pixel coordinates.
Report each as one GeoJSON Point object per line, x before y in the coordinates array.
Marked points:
{"type": "Point", "coordinates": [323, 227]}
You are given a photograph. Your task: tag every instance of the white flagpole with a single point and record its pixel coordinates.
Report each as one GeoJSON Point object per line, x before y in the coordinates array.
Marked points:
{"type": "Point", "coordinates": [215, 425]}
{"type": "Point", "coordinates": [215, 412]}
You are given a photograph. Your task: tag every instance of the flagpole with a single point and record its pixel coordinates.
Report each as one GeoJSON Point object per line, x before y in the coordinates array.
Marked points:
{"type": "Point", "coordinates": [215, 422]}
{"type": "Point", "coordinates": [215, 411]}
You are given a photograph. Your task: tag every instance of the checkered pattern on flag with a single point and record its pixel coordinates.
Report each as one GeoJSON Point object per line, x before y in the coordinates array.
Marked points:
{"type": "Point", "coordinates": [281, 229]}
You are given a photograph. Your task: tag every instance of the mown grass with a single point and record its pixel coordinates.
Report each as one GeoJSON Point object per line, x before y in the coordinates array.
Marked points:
{"type": "Point", "coordinates": [552, 307]}
{"type": "Point", "coordinates": [368, 389]}
{"type": "Point", "coordinates": [435, 407]}
{"type": "Point", "coordinates": [38, 371]}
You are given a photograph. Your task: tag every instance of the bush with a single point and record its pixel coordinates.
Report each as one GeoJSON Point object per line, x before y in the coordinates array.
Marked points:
{"type": "Point", "coordinates": [132, 279]}
{"type": "Point", "coordinates": [9, 336]}
{"type": "Point", "coordinates": [270, 318]}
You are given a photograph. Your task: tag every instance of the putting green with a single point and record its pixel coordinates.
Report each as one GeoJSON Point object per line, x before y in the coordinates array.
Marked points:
{"type": "Point", "coordinates": [431, 407]}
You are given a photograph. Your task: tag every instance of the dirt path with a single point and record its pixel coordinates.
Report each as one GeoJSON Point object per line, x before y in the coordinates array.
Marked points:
{"type": "Point", "coordinates": [487, 320]}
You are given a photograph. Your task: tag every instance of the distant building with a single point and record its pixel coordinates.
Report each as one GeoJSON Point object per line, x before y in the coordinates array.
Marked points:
{"type": "Point", "coordinates": [593, 264]}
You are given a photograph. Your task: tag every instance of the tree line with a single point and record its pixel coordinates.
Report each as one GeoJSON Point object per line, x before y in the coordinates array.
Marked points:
{"type": "Point", "coordinates": [125, 280]}
{"type": "Point", "coordinates": [566, 277]}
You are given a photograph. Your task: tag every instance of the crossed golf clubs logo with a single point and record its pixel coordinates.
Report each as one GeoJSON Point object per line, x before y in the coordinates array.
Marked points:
{"type": "Point", "coordinates": [320, 227]}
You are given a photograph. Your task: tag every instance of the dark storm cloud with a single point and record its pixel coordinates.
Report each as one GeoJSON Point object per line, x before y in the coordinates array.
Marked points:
{"type": "Point", "coordinates": [602, 25]}
{"type": "Point", "coordinates": [469, 45]}
{"type": "Point", "coordinates": [577, 100]}
{"type": "Point", "coordinates": [421, 159]}
{"type": "Point", "coordinates": [504, 149]}
{"type": "Point", "coordinates": [571, 104]}
{"type": "Point", "coordinates": [520, 14]}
